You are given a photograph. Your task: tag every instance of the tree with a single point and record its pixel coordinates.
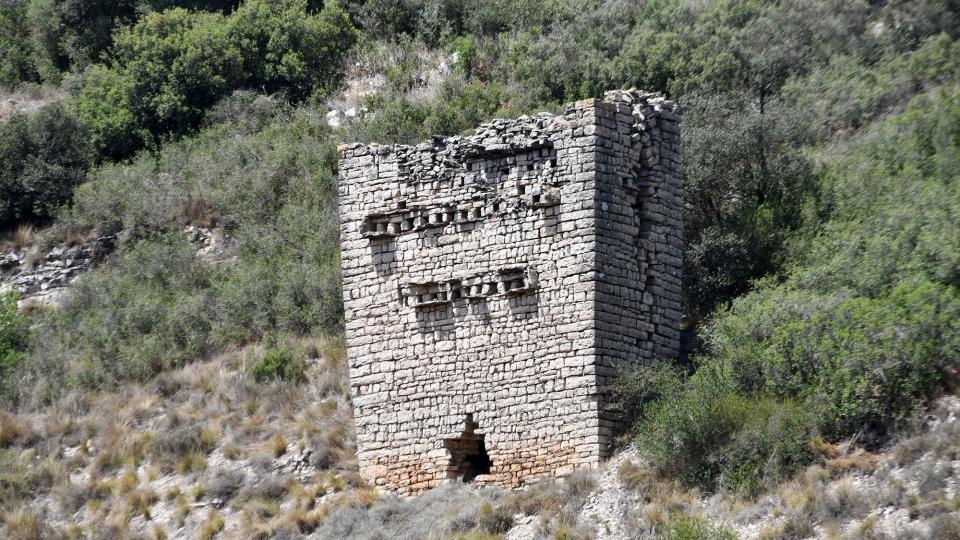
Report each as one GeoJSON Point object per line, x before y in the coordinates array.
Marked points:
{"type": "Point", "coordinates": [286, 50]}
{"type": "Point", "coordinates": [745, 180]}
{"type": "Point", "coordinates": [171, 67]}
{"type": "Point", "coordinates": [16, 48]}
{"type": "Point", "coordinates": [75, 33]}
{"type": "Point", "coordinates": [43, 156]}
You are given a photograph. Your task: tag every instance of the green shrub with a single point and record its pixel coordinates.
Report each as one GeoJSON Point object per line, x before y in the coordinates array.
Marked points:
{"type": "Point", "coordinates": [75, 33]}
{"type": "Point", "coordinates": [888, 205]}
{"type": "Point", "coordinates": [387, 19]}
{"type": "Point", "coordinates": [43, 156]}
{"type": "Point", "coordinates": [745, 182]}
{"type": "Point", "coordinates": [165, 71]}
{"type": "Point", "coordinates": [147, 312]}
{"type": "Point", "coordinates": [106, 104]}
{"type": "Point", "coordinates": [687, 527]}
{"type": "Point", "coordinates": [288, 280]}
{"type": "Point", "coordinates": [278, 364]}
{"type": "Point", "coordinates": [286, 49]}
{"type": "Point", "coordinates": [70, 35]}
{"type": "Point", "coordinates": [14, 334]}
{"type": "Point", "coordinates": [708, 435]}
{"type": "Point", "coordinates": [855, 339]}
{"type": "Point", "coordinates": [637, 385]}
{"type": "Point", "coordinates": [170, 67]}
{"type": "Point", "coordinates": [865, 363]}
{"type": "Point", "coordinates": [16, 48]}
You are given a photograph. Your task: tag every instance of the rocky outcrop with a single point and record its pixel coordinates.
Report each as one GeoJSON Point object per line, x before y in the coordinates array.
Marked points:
{"type": "Point", "coordinates": [212, 245]}
{"type": "Point", "coordinates": [40, 278]}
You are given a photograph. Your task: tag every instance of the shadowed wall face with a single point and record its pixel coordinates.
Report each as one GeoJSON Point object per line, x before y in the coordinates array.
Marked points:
{"type": "Point", "coordinates": [492, 282]}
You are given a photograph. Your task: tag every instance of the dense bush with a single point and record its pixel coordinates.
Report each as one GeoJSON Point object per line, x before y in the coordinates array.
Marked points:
{"type": "Point", "coordinates": [166, 70]}
{"type": "Point", "coordinates": [278, 365]}
{"type": "Point", "coordinates": [44, 39]}
{"type": "Point", "coordinates": [43, 156]}
{"type": "Point", "coordinates": [149, 313]}
{"type": "Point", "coordinates": [862, 333]}
{"type": "Point", "coordinates": [283, 157]}
{"type": "Point", "coordinates": [288, 279]}
{"type": "Point", "coordinates": [637, 385]}
{"type": "Point", "coordinates": [16, 47]}
{"type": "Point", "coordinates": [13, 340]}
{"type": "Point", "coordinates": [287, 50]}
{"type": "Point", "coordinates": [709, 435]}
{"type": "Point", "coordinates": [74, 33]}
{"type": "Point", "coordinates": [170, 67]}
{"type": "Point", "coordinates": [865, 363]}
{"type": "Point", "coordinates": [745, 182]}
{"type": "Point", "coordinates": [888, 205]}
{"type": "Point", "coordinates": [155, 305]}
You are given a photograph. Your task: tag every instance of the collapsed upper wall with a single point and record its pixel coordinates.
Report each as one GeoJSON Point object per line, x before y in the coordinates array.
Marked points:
{"type": "Point", "coordinates": [489, 288]}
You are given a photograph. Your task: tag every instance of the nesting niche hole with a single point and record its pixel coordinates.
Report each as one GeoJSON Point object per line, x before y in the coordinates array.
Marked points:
{"type": "Point", "coordinates": [468, 454]}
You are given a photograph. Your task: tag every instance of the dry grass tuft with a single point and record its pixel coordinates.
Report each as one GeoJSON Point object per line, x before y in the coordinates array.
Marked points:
{"type": "Point", "coordinates": [24, 524]}
{"type": "Point", "coordinates": [12, 430]}
{"type": "Point", "coordinates": [22, 236]}
{"type": "Point", "coordinates": [198, 491]}
{"type": "Point", "coordinates": [212, 527]}
{"type": "Point", "coordinates": [183, 509]}
{"type": "Point", "coordinates": [77, 238]}
{"type": "Point", "coordinates": [277, 445]}
{"type": "Point", "coordinates": [232, 452]}
{"type": "Point", "coordinates": [858, 461]}
{"type": "Point", "coordinates": [305, 497]}
{"type": "Point", "coordinates": [127, 482]}
{"type": "Point", "coordinates": [638, 478]}
{"type": "Point", "coordinates": [140, 501]}
{"type": "Point", "coordinates": [260, 509]}
{"type": "Point", "coordinates": [796, 526]}
{"type": "Point", "coordinates": [360, 498]}
{"type": "Point", "coordinates": [296, 522]}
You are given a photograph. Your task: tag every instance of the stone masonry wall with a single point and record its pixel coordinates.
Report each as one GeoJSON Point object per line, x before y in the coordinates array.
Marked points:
{"type": "Point", "coordinates": [492, 282]}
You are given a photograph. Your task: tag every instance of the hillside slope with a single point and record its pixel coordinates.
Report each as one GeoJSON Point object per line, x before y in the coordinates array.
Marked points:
{"type": "Point", "coordinates": [205, 449]}
{"type": "Point", "coordinates": [176, 388]}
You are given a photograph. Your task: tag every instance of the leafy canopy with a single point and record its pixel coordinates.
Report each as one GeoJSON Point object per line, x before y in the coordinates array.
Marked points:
{"type": "Point", "coordinates": [170, 67]}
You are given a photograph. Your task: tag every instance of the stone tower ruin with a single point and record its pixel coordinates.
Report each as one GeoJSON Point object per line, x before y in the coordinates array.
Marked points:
{"type": "Point", "coordinates": [493, 282]}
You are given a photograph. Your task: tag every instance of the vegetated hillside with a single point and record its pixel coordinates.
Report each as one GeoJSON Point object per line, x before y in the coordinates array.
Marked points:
{"type": "Point", "coordinates": [822, 226]}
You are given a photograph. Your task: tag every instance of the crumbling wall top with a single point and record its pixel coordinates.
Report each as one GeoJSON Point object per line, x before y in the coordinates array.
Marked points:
{"type": "Point", "coordinates": [511, 135]}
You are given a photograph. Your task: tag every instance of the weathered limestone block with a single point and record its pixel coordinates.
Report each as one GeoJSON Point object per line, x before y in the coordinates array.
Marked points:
{"type": "Point", "coordinates": [493, 282]}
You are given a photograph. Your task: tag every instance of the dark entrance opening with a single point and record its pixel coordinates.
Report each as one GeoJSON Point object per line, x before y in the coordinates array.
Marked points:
{"type": "Point", "coordinates": [468, 454]}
